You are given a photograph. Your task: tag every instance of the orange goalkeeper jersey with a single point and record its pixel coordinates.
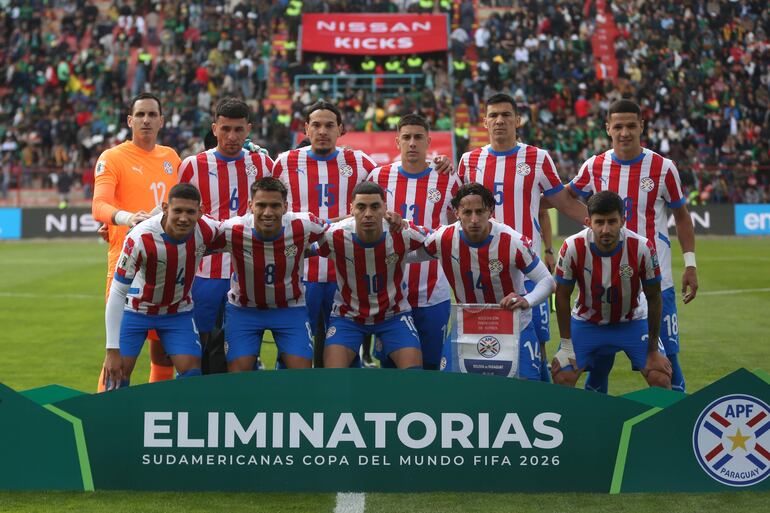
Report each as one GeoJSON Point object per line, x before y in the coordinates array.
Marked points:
{"type": "Point", "coordinates": [131, 179]}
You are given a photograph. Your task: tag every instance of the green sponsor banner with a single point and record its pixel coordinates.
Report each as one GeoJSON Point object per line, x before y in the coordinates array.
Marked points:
{"type": "Point", "coordinates": [717, 439]}
{"type": "Point", "coordinates": [386, 430]}
{"type": "Point", "coordinates": [38, 447]}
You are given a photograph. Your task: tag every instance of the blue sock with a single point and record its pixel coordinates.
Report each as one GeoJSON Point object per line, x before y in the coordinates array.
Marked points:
{"type": "Point", "coordinates": [677, 378]}
{"type": "Point", "coordinates": [599, 377]}
{"type": "Point", "coordinates": [189, 374]}
{"type": "Point", "coordinates": [545, 372]}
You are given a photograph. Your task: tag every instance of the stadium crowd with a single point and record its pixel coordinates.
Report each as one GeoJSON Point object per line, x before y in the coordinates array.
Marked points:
{"type": "Point", "coordinates": [701, 71]}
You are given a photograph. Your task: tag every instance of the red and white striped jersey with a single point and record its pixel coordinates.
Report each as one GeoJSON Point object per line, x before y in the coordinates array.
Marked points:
{"type": "Point", "coordinates": [647, 185]}
{"type": "Point", "coordinates": [267, 272]}
{"type": "Point", "coordinates": [423, 199]}
{"type": "Point", "coordinates": [160, 269]}
{"type": "Point", "coordinates": [487, 271]}
{"type": "Point", "coordinates": [224, 184]}
{"type": "Point", "coordinates": [322, 186]}
{"type": "Point", "coordinates": [369, 275]}
{"type": "Point", "coordinates": [609, 284]}
{"type": "Point", "coordinates": [516, 178]}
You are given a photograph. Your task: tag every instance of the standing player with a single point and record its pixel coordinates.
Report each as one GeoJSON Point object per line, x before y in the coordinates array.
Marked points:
{"type": "Point", "coordinates": [151, 289]}
{"type": "Point", "coordinates": [517, 174]}
{"type": "Point", "coordinates": [268, 247]}
{"type": "Point", "coordinates": [424, 197]}
{"type": "Point", "coordinates": [223, 175]}
{"type": "Point", "coordinates": [610, 264]}
{"type": "Point", "coordinates": [370, 263]}
{"type": "Point", "coordinates": [131, 180]}
{"type": "Point", "coordinates": [648, 183]}
{"type": "Point", "coordinates": [486, 261]}
{"type": "Point", "coordinates": [320, 179]}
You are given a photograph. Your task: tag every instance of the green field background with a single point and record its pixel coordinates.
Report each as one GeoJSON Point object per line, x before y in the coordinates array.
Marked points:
{"type": "Point", "coordinates": [52, 331]}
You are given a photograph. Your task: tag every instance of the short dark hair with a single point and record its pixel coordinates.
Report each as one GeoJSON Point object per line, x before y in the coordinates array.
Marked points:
{"type": "Point", "coordinates": [471, 189]}
{"type": "Point", "coordinates": [322, 105]}
{"type": "Point", "coordinates": [501, 98]}
{"type": "Point", "coordinates": [368, 187]}
{"type": "Point", "coordinates": [413, 119]}
{"type": "Point", "coordinates": [269, 184]}
{"type": "Point", "coordinates": [144, 96]}
{"type": "Point", "coordinates": [184, 191]}
{"type": "Point", "coordinates": [233, 108]}
{"type": "Point", "coordinates": [624, 106]}
{"type": "Point", "coordinates": [604, 203]}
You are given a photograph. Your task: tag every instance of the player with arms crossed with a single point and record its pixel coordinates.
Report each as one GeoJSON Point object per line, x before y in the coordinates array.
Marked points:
{"type": "Point", "coordinates": [223, 175]}
{"type": "Point", "coordinates": [320, 179]}
{"type": "Point", "coordinates": [611, 265]}
{"type": "Point", "coordinates": [131, 180]}
{"type": "Point", "coordinates": [648, 183]}
{"type": "Point", "coordinates": [424, 197]}
{"type": "Point", "coordinates": [268, 248]}
{"type": "Point", "coordinates": [517, 174]}
{"type": "Point", "coordinates": [486, 262]}
{"type": "Point", "coordinates": [151, 287]}
{"type": "Point", "coordinates": [370, 264]}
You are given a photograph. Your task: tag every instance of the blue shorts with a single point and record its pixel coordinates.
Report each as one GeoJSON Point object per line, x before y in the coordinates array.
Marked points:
{"type": "Point", "coordinates": [394, 334]}
{"type": "Point", "coordinates": [177, 333]}
{"type": "Point", "coordinates": [590, 339]}
{"type": "Point", "coordinates": [431, 323]}
{"type": "Point", "coordinates": [209, 296]}
{"type": "Point", "coordinates": [529, 356]}
{"type": "Point", "coordinates": [319, 298]}
{"type": "Point", "coordinates": [244, 328]}
{"type": "Point", "coordinates": [669, 322]}
{"type": "Point", "coordinates": [541, 316]}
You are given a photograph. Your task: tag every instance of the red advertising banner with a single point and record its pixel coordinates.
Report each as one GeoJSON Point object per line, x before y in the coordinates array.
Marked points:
{"type": "Point", "coordinates": [381, 146]}
{"type": "Point", "coordinates": [374, 34]}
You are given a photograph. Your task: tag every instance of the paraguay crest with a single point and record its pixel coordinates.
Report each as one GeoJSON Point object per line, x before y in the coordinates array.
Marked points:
{"type": "Point", "coordinates": [626, 271]}
{"type": "Point", "coordinates": [290, 251]}
{"type": "Point", "coordinates": [346, 170]}
{"type": "Point", "coordinates": [168, 168]}
{"type": "Point", "coordinates": [251, 169]}
{"type": "Point", "coordinates": [495, 266]}
{"type": "Point", "coordinates": [488, 346]}
{"type": "Point", "coordinates": [523, 169]}
{"type": "Point", "coordinates": [434, 195]}
{"type": "Point", "coordinates": [647, 184]}
{"type": "Point", "coordinates": [731, 440]}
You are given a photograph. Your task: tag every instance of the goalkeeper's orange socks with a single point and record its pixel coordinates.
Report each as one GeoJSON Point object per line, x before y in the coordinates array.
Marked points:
{"type": "Point", "coordinates": [161, 372]}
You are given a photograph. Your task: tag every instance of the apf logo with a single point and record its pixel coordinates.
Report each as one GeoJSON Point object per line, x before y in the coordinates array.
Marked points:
{"type": "Point", "coordinates": [731, 440]}
{"type": "Point", "coordinates": [488, 346]}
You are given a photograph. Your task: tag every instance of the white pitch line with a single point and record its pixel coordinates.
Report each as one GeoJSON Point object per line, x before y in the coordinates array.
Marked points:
{"type": "Point", "coordinates": [730, 292]}
{"type": "Point", "coordinates": [30, 295]}
{"type": "Point", "coordinates": [350, 502]}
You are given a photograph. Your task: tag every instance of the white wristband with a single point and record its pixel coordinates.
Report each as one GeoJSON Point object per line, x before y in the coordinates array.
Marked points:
{"type": "Point", "coordinates": [123, 218]}
{"type": "Point", "coordinates": [689, 259]}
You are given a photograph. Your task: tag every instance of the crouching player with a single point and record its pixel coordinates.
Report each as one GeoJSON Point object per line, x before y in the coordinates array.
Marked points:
{"type": "Point", "coordinates": [151, 287]}
{"type": "Point", "coordinates": [486, 262]}
{"type": "Point", "coordinates": [610, 264]}
{"type": "Point", "coordinates": [370, 263]}
{"type": "Point", "coordinates": [266, 290]}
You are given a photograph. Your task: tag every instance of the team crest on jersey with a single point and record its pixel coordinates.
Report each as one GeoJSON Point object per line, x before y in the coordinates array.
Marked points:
{"type": "Point", "coordinates": [434, 195]}
{"type": "Point", "coordinates": [391, 259]}
{"type": "Point", "coordinates": [647, 184]}
{"type": "Point", "coordinates": [200, 251]}
{"type": "Point", "coordinates": [168, 168]}
{"type": "Point", "coordinates": [488, 346]}
{"type": "Point", "coordinates": [251, 169]}
{"type": "Point", "coordinates": [290, 251]}
{"type": "Point", "coordinates": [523, 169]}
{"type": "Point", "coordinates": [495, 266]}
{"type": "Point", "coordinates": [100, 167]}
{"type": "Point", "coordinates": [731, 440]}
{"type": "Point", "coordinates": [331, 331]}
{"type": "Point", "coordinates": [346, 170]}
{"type": "Point", "coordinates": [626, 271]}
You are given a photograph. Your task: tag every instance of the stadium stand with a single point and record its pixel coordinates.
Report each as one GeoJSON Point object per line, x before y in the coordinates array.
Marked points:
{"type": "Point", "coordinates": [700, 69]}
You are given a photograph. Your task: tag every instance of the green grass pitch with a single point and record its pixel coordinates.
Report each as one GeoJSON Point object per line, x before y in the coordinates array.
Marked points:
{"type": "Point", "coordinates": [52, 319]}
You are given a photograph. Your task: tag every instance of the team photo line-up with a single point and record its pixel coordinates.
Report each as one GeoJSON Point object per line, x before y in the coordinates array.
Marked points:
{"type": "Point", "coordinates": [329, 251]}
